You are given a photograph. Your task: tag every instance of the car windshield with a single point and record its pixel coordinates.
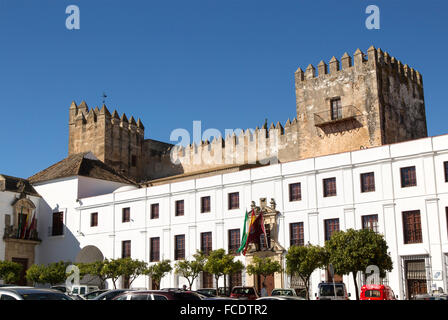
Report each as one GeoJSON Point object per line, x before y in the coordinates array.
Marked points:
{"type": "Point", "coordinates": [45, 296]}
{"type": "Point", "coordinates": [373, 294]}
{"type": "Point", "coordinates": [282, 293]}
{"type": "Point", "coordinates": [328, 290]}
{"type": "Point", "coordinates": [243, 290]}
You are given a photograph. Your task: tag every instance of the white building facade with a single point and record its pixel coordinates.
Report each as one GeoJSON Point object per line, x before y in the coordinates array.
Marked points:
{"type": "Point", "coordinates": [404, 198]}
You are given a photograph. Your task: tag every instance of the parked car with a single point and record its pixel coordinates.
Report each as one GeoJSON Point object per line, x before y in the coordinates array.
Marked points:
{"type": "Point", "coordinates": [27, 293]}
{"type": "Point", "coordinates": [376, 292]}
{"type": "Point", "coordinates": [285, 292]}
{"type": "Point", "coordinates": [111, 294]}
{"type": "Point", "coordinates": [427, 296]}
{"type": "Point", "coordinates": [82, 289]}
{"type": "Point", "coordinates": [61, 288]}
{"type": "Point", "coordinates": [244, 293]}
{"type": "Point", "coordinates": [278, 297]}
{"type": "Point", "coordinates": [326, 291]}
{"type": "Point", "coordinates": [93, 294]}
{"type": "Point", "coordinates": [208, 292]}
{"type": "Point", "coordinates": [159, 295]}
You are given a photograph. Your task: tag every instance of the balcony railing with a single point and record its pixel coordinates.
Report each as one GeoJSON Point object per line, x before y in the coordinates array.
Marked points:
{"type": "Point", "coordinates": [328, 117]}
{"type": "Point", "coordinates": [12, 233]}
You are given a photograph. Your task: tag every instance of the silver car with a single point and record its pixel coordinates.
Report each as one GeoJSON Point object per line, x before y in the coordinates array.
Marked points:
{"type": "Point", "coordinates": [30, 293]}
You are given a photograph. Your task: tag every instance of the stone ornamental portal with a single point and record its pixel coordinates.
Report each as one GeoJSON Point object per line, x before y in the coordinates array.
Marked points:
{"type": "Point", "coordinates": [274, 250]}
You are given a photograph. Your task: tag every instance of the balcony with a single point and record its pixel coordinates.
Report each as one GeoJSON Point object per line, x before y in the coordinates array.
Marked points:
{"type": "Point", "coordinates": [12, 233]}
{"type": "Point", "coordinates": [344, 114]}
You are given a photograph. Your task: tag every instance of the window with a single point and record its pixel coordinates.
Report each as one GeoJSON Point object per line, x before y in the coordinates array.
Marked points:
{"type": "Point", "coordinates": [126, 249]}
{"type": "Point", "coordinates": [207, 280]}
{"type": "Point", "coordinates": [179, 208]}
{"type": "Point", "coordinates": [295, 192]}
{"type": "Point", "coordinates": [412, 227]}
{"type": "Point", "coordinates": [155, 211]}
{"type": "Point", "coordinates": [154, 254]}
{"type": "Point", "coordinates": [235, 279]}
{"type": "Point", "coordinates": [368, 182]}
{"type": "Point", "coordinates": [408, 178]}
{"type": "Point", "coordinates": [179, 250]}
{"type": "Point", "coordinates": [94, 219]}
{"type": "Point", "coordinates": [58, 224]}
{"type": "Point", "coordinates": [336, 109]}
{"type": "Point", "coordinates": [370, 222]}
{"type": "Point", "coordinates": [234, 200]}
{"type": "Point", "coordinates": [331, 226]}
{"type": "Point", "coordinates": [263, 243]}
{"type": "Point", "coordinates": [126, 215]}
{"type": "Point", "coordinates": [234, 241]}
{"type": "Point", "coordinates": [206, 242]}
{"type": "Point", "coordinates": [296, 234]}
{"type": "Point", "coordinates": [445, 168]}
{"type": "Point", "coordinates": [329, 187]}
{"type": "Point", "coordinates": [205, 204]}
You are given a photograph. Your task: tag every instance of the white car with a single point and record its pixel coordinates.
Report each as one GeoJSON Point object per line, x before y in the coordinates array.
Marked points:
{"type": "Point", "coordinates": [82, 289]}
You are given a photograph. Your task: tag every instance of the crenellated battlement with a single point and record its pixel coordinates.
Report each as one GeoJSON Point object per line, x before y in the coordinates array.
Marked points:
{"type": "Point", "coordinates": [82, 115]}
{"type": "Point", "coordinates": [375, 58]}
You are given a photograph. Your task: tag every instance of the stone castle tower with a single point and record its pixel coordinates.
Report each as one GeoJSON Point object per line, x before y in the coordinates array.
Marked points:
{"type": "Point", "coordinates": [370, 101]}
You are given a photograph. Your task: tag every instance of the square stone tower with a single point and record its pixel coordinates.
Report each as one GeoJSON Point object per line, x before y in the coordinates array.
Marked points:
{"type": "Point", "coordinates": [115, 140]}
{"type": "Point", "coordinates": [371, 102]}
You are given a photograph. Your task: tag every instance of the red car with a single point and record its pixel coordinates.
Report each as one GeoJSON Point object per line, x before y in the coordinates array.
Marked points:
{"type": "Point", "coordinates": [377, 292]}
{"type": "Point", "coordinates": [244, 293]}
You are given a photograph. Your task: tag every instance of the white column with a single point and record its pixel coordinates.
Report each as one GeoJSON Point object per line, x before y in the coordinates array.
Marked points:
{"type": "Point", "coordinates": [435, 244]}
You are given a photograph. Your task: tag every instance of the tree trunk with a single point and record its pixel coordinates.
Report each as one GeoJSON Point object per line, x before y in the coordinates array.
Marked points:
{"type": "Point", "coordinates": [356, 285]}
{"type": "Point", "coordinates": [225, 284]}
{"type": "Point", "coordinates": [217, 287]}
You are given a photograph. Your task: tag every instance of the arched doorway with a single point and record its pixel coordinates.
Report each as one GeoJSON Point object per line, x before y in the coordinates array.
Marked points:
{"type": "Point", "coordinates": [90, 254]}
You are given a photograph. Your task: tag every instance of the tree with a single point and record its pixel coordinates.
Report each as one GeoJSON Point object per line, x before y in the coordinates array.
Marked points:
{"type": "Point", "coordinates": [10, 271]}
{"type": "Point", "coordinates": [34, 274]}
{"type": "Point", "coordinates": [191, 269]}
{"type": "Point", "coordinates": [94, 269]}
{"type": "Point", "coordinates": [354, 250]}
{"type": "Point", "coordinates": [131, 268]}
{"type": "Point", "coordinates": [301, 261]}
{"type": "Point", "coordinates": [111, 270]}
{"type": "Point", "coordinates": [158, 271]}
{"type": "Point", "coordinates": [232, 267]}
{"type": "Point", "coordinates": [219, 264]}
{"type": "Point", "coordinates": [263, 267]}
{"type": "Point", "coordinates": [53, 273]}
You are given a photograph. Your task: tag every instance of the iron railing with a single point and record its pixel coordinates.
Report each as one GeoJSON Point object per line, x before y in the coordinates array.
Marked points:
{"type": "Point", "coordinates": [12, 233]}
{"type": "Point", "coordinates": [333, 116]}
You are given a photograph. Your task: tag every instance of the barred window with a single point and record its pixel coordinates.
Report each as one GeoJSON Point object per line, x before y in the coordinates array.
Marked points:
{"type": "Point", "coordinates": [412, 227]}
{"type": "Point", "coordinates": [154, 254]}
{"type": "Point", "coordinates": [94, 219]}
{"type": "Point", "coordinates": [445, 168]}
{"type": "Point", "coordinates": [368, 182]}
{"type": "Point", "coordinates": [155, 211]}
{"type": "Point", "coordinates": [205, 204]}
{"type": "Point", "coordinates": [331, 226]}
{"type": "Point", "coordinates": [126, 249]}
{"type": "Point", "coordinates": [329, 187]}
{"type": "Point", "coordinates": [296, 234]}
{"type": "Point", "coordinates": [126, 215]}
{"type": "Point", "coordinates": [234, 200]}
{"type": "Point", "coordinates": [234, 240]}
{"type": "Point", "coordinates": [206, 242]}
{"type": "Point", "coordinates": [295, 192]}
{"type": "Point", "coordinates": [179, 250]}
{"type": "Point", "coordinates": [370, 222]}
{"type": "Point", "coordinates": [408, 177]}
{"type": "Point", "coordinates": [179, 208]}
{"type": "Point", "coordinates": [58, 224]}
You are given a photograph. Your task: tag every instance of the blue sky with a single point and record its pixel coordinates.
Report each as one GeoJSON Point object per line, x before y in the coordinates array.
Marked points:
{"type": "Point", "coordinates": [228, 63]}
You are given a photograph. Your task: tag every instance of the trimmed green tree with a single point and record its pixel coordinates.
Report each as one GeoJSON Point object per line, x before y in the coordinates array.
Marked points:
{"type": "Point", "coordinates": [158, 270]}
{"type": "Point", "coordinates": [35, 273]}
{"type": "Point", "coordinates": [263, 267]}
{"type": "Point", "coordinates": [10, 271]}
{"type": "Point", "coordinates": [301, 261]}
{"type": "Point", "coordinates": [131, 268]}
{"type": "Point", "coordinates": [53, 273]}
{"type": "Point", "coordinates": [234, 266]}
{"type": "Point", "coordinates": [354, 250]}
{"type": "Point", "coordinates": [111, 270]}
{"type": "Point", "coordinates": [219, 264]}
{"type": "Point", "coordinates": [191, 269]}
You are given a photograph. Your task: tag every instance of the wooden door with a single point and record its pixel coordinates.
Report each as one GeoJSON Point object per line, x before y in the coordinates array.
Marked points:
{"type": "Point", "coordinates": [24, 263]}
{"type": "Point", "coordinates": [268, 281]}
